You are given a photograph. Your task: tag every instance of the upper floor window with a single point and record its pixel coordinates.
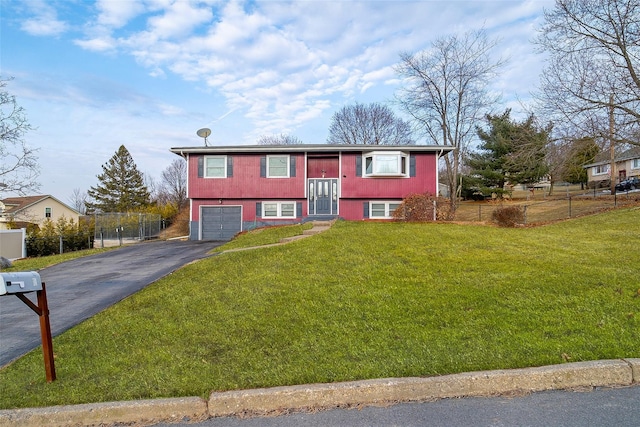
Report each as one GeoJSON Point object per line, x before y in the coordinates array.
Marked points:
{"type": "Point", "coordinates": [393, 163]}
{"type": "Point", "coordinates": [601, 169]}
{"type": "Point", "coordinates": [47, 212]}
{"type": "Point", "coordinates": [277, 166]}
{"type": "Point", "coordinates": [215, 166]}
{"type": "Point", "coordinates": [635, 164]}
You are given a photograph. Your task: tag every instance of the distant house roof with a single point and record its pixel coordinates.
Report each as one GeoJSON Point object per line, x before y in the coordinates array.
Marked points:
{"type": "Point", "coordinates": [302, 148]}
{"type": "Point", "coordinates": [604, 158]}
{"type": "Point", "coordinates": [13, 205]}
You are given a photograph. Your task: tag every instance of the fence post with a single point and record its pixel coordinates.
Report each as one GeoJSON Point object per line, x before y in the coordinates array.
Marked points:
{"type": "Point", "coordinates": [479, 212]}
{"type": "Point", "coordinates": [525, 214]}
{"type": "Point", "coordinates": [24, 242]}
{"type": "Point", "coordinates": [61, 247]}
{"type": "Point", "coordinates": [569, 206]}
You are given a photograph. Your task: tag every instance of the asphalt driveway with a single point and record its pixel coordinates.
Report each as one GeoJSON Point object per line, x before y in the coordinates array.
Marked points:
{"type": "Point", "coordinates": [78, 289]}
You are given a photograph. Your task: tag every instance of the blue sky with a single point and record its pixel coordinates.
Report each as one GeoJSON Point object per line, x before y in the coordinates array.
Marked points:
{"type": "Point", "coordinates": [148, 74]}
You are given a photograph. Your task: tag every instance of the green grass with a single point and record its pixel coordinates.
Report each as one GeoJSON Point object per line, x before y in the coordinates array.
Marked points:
{"type": "Point", "coordinates": [264, 236]}
{"type": "Point", "coordinates": [361, 300]}
{"type": "Point", "coordinates": [38, 263]}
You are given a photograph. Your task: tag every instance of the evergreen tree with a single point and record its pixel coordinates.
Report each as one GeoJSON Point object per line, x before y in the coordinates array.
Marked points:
{"type": "Point", "coordinates": [581, 152]}
{"type": "Point", "coordinates": [511, 151]}
{"type": "Point", "coordinates": [121, 186]}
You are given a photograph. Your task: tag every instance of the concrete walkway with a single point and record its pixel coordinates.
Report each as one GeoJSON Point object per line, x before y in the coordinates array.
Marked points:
{"type": "Point", "coordinates": [318, 227]}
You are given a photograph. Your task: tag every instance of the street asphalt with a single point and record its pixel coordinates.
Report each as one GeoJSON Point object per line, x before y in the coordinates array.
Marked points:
{"type": "Point", "coordinates": [78, 289]}
{"type": "Point", "coordinates": [592, 407]}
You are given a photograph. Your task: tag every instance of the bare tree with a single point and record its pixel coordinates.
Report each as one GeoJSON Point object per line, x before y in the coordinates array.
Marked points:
{"type": "Point", "coordinates": [591, 84]}
{"type": "Point", "coordinates": [78, 200]}
{"type": "Point", "coordinates": [18, 162]}
{"type": "Point", "coordinates": [372, 124]}
{"type": "Point", "coordinates": [446, 93]}
{"type": "Point", "coordinates": [173, 184]}
{"type": "Point", "coordinates": [282, 139]}
{"type": "Point", "coordinates": [594, 47]}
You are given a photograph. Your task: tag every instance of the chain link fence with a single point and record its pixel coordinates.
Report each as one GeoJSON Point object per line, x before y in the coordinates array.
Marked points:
{"type": "Point", "coordinates": [115, 229]}
{"type": "Point", "coordinates": [547, 209]}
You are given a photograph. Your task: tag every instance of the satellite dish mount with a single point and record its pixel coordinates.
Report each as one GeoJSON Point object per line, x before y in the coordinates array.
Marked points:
{"type": "Point", "coordinates": [204, 133]}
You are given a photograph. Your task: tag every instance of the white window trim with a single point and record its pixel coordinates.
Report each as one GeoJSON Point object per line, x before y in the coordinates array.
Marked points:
{"type": "Point", "coordinates": [635, 164]}
{"type": "Point", "coordinates": [401, 156]}
{"type": "Point", "coordinates": [279, 209]}
{"type": "Point", "coordinates": [288, 165]}
{"type": "Point", "coordinates": [388, 214]}
{"type": "Point", "coordinates": [596, 173]}
{"type": "Point", "coordinates": [224, 160]}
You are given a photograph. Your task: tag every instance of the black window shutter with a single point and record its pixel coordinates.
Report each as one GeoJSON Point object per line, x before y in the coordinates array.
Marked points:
{"type": "Point", "coordinates": [358, 165]}
{"type": "Point", "coordinates": [259, 209]}
{"type": "Point", "coordinates": [263, 166]}
{"type": "Point", "coordinates": [200, 166]}
{"type": "Point", "coordinates": [229, 166]}
{"type": "Point", "coordinates": [292, 166]}
{"type": "Point", "coordinates": [299, 210]}
{"type": "Point", "coordinates": [412, 165]}
{"type": "Point", "coordinates": [365, 206]}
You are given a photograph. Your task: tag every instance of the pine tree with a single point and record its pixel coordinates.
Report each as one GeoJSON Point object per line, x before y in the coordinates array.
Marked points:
{"type": "Point", "coordinates": [511, 151]}
{"type": "Point", "coordinates": [121, 186]}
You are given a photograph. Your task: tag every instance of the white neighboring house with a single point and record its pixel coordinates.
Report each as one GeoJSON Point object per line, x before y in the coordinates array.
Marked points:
{"type": "Point", "coordinates": [34, 210]}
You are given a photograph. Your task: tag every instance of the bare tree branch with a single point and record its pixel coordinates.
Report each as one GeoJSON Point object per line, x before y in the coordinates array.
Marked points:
{"type": "Point", "coordinates": [18, 162]}
{"type": "Point", "coordinates": [446, 92]}
{"type": "Point", "coordinates": [371, 124]}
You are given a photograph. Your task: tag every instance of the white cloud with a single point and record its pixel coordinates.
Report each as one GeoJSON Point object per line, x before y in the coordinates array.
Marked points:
{"type": "Point", "coordinates": [98, 44]}
{"type": "Point", "coordinates": [116, 14]}
{"type": "Point", "coordinates": [45, 21]}
{"type": "Point", "coordinates": [281, 63]}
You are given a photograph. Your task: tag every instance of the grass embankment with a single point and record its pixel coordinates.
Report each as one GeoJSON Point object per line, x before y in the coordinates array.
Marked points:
{"type": "Point", "coordinates": [38, 263]}
{"type": "Point", "coordinates": [264, 236]}
{"type": "Point", "coordinates": [362, 300]}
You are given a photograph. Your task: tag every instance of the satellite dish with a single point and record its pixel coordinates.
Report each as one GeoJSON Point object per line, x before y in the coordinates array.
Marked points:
{"type": "Point", "coordinates": [204, 133]}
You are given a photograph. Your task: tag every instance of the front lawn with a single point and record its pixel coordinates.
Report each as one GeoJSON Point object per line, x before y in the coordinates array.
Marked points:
{"type": "Point", "coordinates": [361, 300]}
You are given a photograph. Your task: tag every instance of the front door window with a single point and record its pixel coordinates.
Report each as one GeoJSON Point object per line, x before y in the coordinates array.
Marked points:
{"type": "Point", "coordinates": [323, 196]}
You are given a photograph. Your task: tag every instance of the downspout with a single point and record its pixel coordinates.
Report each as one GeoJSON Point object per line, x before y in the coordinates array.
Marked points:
{"type": "Point", "coordinates": [438, 173]}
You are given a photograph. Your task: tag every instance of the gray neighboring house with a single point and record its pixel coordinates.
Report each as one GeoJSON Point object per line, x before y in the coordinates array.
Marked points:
{"type": "Point", "coordinates": [627, 165]}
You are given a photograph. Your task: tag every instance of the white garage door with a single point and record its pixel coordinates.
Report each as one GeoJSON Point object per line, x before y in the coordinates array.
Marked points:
{"type": "Point", "coordinates": [220, 222]}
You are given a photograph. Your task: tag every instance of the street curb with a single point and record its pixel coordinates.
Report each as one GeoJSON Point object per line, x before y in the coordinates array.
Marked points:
{"type": "Point", "coordinates": [312, 397]}
{"type": "Point", "coordinates": [142, 412]}
{"type": "Point", "coordinates": [273, 401]}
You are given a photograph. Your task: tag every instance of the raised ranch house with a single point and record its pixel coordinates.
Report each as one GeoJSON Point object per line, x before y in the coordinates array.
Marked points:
{"type": "Point", "coordinates": [627, 165]}
{"type": "Point", "coordinates": [34, 210]}
{"type": "Point", "coordinates": [235, 188]}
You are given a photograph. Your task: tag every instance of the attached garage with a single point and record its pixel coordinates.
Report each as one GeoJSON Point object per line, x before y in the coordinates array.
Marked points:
{"type": "Point", "coordinates": [220, 222]}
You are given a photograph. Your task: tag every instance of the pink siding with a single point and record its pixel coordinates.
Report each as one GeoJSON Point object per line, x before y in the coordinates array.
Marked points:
{"type": "Point", "coordinates": [246, 182]}
{"type": "Point", "coordinates": [388, 188]}
{"type": "Point", "coordinates": [330, 167]}
{"type": "Point", "coordinates": [246, 187]}
{"type": "Point", "coordinates": [248, 208]}
{"type": "Point", "coordinates": [351, 210]}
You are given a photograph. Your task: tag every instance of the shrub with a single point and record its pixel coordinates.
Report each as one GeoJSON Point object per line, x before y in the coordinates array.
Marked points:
{"type": "Point", "coordinates": [45, 240]}
{"type": "Point", "coordinates": [508, 216]}
{"type": "Point", "coordinates": [419, 207]}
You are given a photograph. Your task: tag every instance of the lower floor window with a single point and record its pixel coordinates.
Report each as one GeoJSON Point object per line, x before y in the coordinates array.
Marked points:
{"type": "Point", "coordinates": [278, 210]}
{"type": "Point", "coordinates": [382, 209]}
